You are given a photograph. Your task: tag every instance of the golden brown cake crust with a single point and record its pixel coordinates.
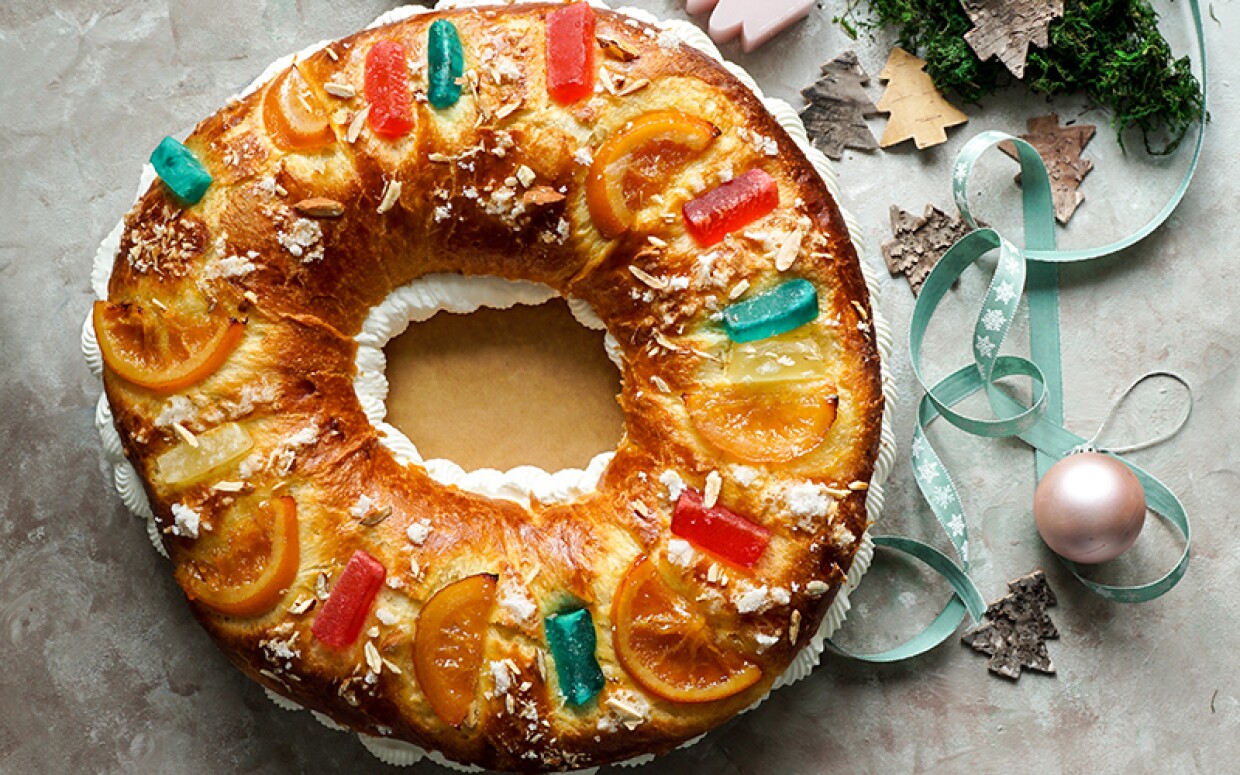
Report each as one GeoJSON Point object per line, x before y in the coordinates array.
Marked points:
{"type": "Point", "coordinates": [304, 287]}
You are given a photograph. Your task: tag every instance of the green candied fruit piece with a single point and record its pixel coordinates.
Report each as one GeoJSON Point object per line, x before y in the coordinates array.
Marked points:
{"type": "Point", "coordinates": [445, 64]}
{"type": "Point", "coordinates": [180, 170]}
{"type": "Point", "coordinates": [787, 306]}
{"type": "Point", "coordinates": [571, 637]}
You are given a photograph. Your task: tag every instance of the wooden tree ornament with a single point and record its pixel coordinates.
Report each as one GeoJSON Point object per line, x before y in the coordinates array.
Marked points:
{"type": "Point", "coordinates": [1060, 147]}
{"type": "Point", "coordinates": [1005, 29]}
{"type": "Point", "coordinates": [918, 111]}
{"type": "Point", "coordinates": [1016, 627]}
{"type": "Point", "coordinates": [917, 244]}
{"type": "Point", "coordinates": [837, 106]}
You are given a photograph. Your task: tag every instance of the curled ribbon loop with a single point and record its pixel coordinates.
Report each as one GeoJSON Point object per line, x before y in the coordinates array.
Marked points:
{"type": "Point", "coordinates": [1032, 271]}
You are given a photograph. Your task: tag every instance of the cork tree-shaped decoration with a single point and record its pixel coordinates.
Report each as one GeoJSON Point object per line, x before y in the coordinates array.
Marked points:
{"type": "Point", "coordinates": [1016, 627]}
{"type": "Point", "coordinates": [1060, 147]}
{"type": "Point", "coordinates": [1004, 29]}
{"type": "Point", "coordinates": [918, 111]}
{"type": "Point", "coordinates": [836, 108]}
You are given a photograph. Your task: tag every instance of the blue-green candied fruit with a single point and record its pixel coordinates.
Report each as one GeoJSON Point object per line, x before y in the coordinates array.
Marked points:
{"type": "Point", "coordinates": [445, 64]}
{"type": "Point", "coordinates": [180, 170]}
{"type": "Point", "coordinates": [571, 637]}
{"type": "Point", "coordinates": [789, 305]}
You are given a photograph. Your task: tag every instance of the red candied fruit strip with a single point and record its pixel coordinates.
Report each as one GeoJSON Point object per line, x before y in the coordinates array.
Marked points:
{"type": "Point", "coordinates": [719, 530]}
{"type": "Point", "coordinates": [344, 612]}
{"type": "Point", "coordinates": [387, 90]}
{"type": "Point", "coordinates": [731, 206]}
{"type": "Point", "coordinates": [570, 53]}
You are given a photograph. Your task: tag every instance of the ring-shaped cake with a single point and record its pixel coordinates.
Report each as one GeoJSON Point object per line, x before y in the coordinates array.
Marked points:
{"type": "Point", "coordinates": [538, 623]}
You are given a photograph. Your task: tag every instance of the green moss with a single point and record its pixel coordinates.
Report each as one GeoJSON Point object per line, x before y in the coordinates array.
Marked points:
{"type": "Point", "coordinates": [1110, 50]}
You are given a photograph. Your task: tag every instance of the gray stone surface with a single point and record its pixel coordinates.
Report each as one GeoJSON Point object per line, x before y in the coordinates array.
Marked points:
{"type": "Point", "coordinates": [105, 671]}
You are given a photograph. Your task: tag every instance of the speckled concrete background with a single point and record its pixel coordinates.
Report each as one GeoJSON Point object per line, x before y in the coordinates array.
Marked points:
{"type": "Point", "coordinates": [103, 670]}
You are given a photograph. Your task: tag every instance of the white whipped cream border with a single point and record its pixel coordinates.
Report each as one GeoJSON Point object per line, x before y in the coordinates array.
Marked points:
{"type": "Point", "coordinates": [419, 301]}
{"type": "Point", "coordinates": [397, 752]}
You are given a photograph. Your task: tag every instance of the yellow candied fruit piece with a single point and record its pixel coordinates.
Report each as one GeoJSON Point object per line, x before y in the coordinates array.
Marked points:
{"type": "Point", "coordinates": [186, 464]}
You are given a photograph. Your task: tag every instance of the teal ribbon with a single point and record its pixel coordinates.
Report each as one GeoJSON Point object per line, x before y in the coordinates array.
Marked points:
{"type": "Point", "coordinates": [1032, 270]}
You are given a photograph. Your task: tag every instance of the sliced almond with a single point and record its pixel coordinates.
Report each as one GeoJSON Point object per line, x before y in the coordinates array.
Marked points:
{"type": "Point", "coordinates": [632, 87]}
{"type": "Point", "coordinates": [373, 660]}
{"type": "Point", "coordinates": [659, 383]}
{"type": "Point", "coordinates": [641, 510]}
{"type": "Point", "coordinates": [320, 586]}
{"type": "Point", "coordinates": [303, 605]}
{"type": "Point", "coordinates": [630, 715]}
{"type": "Point", "coordinates": [657, 242]}
{"type": "Point", "coordinates": [186, 436]}
{"type": "Point", "coordinates": [355, 126]}
{"type": "Point", "coordinates": [657, 283]}
{"type": "Point", "coordinates": [342, 90]}
{"type": "Point", "coordinates": [859, 486]}
{"type": "Point", "coordinates": [609, 83]}
{"type": "Point", "coordinates": [616, 49]}
{"type": "Point", "coordinates": [507, 110]}
{"type": "Point", "coordinates": [320, 207]}
{"type": "Point", "coordinates": [789, 249]}
{"type": "Point", "coordinates": [439, 158]}
{"type": "Point", "coordinates": [710, 495]}
{"type": "Point", "coordinates": [376, 516]}
{"type": "Point", "coordinates": [391, 195]}
{"type": "Point", "coordinates": [738, 290]}
{"type": "Point", "coordinates": [539, 196]}
{"type": "Point", "coordinates": [391, 666]}
{"type": "Point", "coordinates": [228, 486]}
{"type": "Point", "coordinates": [666, 343]}
{"type": "Point", "coordinates": [526, 176]}
{"type": "Point", "coordinates": [817, 588]}
{"type": "Point", "coordinates": [794, 627]}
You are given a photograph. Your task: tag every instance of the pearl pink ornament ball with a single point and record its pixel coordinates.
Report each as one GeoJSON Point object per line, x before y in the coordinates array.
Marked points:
{"type": "Point", "coordinates": [1089, 508]}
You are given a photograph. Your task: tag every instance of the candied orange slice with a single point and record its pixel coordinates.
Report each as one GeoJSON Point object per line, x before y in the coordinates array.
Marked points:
{"type": "Point", "coordinates": [292, 115]}
{"type": "Point", "coordinates": [668, 646]}
{"type": "Point", "coordinates": [449, 642]}
{"type": "Point", "coordinates": [246, 563]}
{"type": "Point", "coordinates": [764, 423]}
{"type": "Point", "coordinates": [163, 351]}
{"type": "Point", "coordinates": [635, 161]}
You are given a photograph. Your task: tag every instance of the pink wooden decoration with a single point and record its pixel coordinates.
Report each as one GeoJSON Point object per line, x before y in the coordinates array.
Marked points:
{"type": "Point", "coordinates": [757, 21]}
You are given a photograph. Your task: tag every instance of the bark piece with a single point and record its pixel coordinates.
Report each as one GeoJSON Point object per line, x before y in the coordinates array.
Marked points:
{"type": "Point", "coordinates": [917, 244]}
{"type": "Point", "coordinates": [1060, 147]}
{"type": "Point", "coordinates": [1016, 627]}
{"type": "Point", "coordinates": [918, 111]}
{"type": "Point", "coordinates": [837, 106]}
{"type": "Point", "coordinates": [1006, 28]}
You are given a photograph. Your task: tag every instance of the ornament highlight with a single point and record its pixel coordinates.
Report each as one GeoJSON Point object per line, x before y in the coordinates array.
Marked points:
{"type": "Point", "coordinates": [1089, 508]}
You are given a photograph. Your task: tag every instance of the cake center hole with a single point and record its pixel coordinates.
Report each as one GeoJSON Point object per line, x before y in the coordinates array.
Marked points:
{"type": "Point", "coordinates": [504, 388]}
